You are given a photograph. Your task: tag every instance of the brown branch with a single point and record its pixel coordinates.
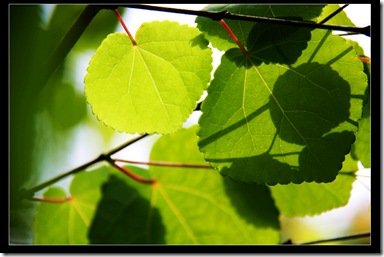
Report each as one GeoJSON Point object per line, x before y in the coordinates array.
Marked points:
{"type": "Point", "coordinates": [28, 193]}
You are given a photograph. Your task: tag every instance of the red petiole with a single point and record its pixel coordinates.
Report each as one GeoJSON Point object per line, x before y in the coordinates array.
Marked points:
{"type": "Point", "coordinates": [131, 174]}
{"type": "Point", "coordinates": [233, 36]}
{"type": "Point", "coordinates": [124, 26]}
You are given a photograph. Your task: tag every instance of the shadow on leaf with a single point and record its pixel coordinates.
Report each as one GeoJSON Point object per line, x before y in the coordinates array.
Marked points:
{"type": "Point", "coordinates": [319, 161]}
{"type": "Point", "coordinates": [123, 216]}
{"type": "Point", "coordinates": [308, 101]}
{"type": "Point", "coordinates": [272, 43]}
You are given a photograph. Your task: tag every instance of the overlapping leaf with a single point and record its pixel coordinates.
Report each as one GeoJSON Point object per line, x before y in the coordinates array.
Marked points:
{"type": "Point", "coordinates": [221, 40]}
{"type": "Point", "coordinates": [68, 222]}
{"type": "Point", "coordinates": [186, 206]}
{"type": "Point", "coordinates": [152, 86]}
{"type": "Point", "coordinates": [314, 198]}
{"type": "Point", "coordinates": [283, 122]}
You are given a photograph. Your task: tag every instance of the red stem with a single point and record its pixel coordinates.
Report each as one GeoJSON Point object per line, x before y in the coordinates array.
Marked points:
{"type": "Point", "coordinates": [166, 164]}
{"type": "Point", "coordinates": [51, 200]}
{"type": "Point", "coordinates": [233, 36]}
{"type": "Point", "coordinates": [131, 174]}
{"type": "Point", "coordinates": [124, 26]}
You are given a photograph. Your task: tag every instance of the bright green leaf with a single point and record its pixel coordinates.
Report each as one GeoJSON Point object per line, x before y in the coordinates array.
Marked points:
{"type": "Point", "coordinates": [151, 87]}
{"type": "Point", "coordinates": [68, 222]}
{"type": "Point", "coordinates": [315, 198]}
{"type": "Point", "coordinates": [220, 38]}
{"type": "Point", "coordinates": [279, 123]}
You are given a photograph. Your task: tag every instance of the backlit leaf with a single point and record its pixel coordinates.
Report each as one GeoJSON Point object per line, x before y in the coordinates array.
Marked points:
{"type": "Point", "coordinates": [151, 87]}
{"type": "Point", "coordinates": [281, 123]}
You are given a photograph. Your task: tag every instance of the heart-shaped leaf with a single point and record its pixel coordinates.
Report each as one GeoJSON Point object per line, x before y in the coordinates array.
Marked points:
{"type": "Point", "coordinates": [152, 86]}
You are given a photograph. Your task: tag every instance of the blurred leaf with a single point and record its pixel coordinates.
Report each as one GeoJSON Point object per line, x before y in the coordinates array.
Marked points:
{"type": "Point", "coordinates": [104, 23]}
{"type": "Point", "coordinates": [26, 58]}
{"type": "Point", "coordinates": [68, 222]}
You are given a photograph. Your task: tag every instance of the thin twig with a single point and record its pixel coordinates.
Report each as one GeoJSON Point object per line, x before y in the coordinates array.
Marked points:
{"type": "Point", "coordinates": [166, 164]}
{"type": "Point", "coordinates": [343, 238]}
{"type": "Point", "coordinates": [227, 15]}
{"type": "Point", "coordinates": [103, 157]}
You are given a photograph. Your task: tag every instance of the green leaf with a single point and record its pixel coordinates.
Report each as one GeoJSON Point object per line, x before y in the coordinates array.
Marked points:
{"type": "Point", "coordinates": [282, 123]}
{"type": "Point", "coordinates": [196, 206]}
{"type": "Point", "coordinates": [315, 198]}
{"type": "Point", "coordinates": [361, 149]}
{"type": "Point", "coordinates": [362, 146]}
{"type": "Point", "coordinates": [151, 87]}
{"type": "Point", "coordinates": [68, 222]}
{"type": "Point", "coordinates": [220, 38]}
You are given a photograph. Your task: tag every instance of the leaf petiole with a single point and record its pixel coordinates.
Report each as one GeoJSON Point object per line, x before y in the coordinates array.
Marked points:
{"type": "Point", "coordinates": [124, 26]}
{"type": "Point", "coordinates": [131, 174]}
{"type": "Point", "coordinates": [233, 36]}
